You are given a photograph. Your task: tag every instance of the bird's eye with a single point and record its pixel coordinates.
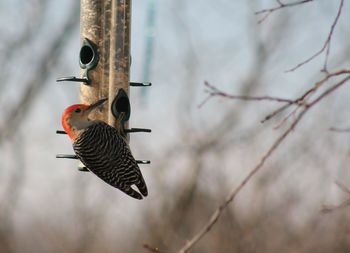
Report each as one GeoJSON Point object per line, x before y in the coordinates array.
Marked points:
{"type": "Point", "coordinates": [77, 110]}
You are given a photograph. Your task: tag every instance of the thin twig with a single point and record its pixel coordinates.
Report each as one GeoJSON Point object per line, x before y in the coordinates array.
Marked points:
{"type": "Point", "coordinates": [151, 248]}
{"type": "Point", "coordinates": [281, 5]}
{"type": "Point", "coordinates": [329, 208]}
{"type": "Point", "coordinates": [284, 120]}
{"type": "Point", "coordinates": [274, 113]}
{"type": "Point", "coordinates": [307, 94]}
{"type": "Point", "coordinates": [342, 187]}
{"type": "Point", "coordinates": [213, 91]}
{"type": "Point", "coordinates": [216, 215]}
{"type": "Point", "coordinates": [300, 101]}
{"type": "Point", "coordinates": [231, 196]}
{"type": "Point", "coordinates": [326, 45]}
{"type": "Point", "coordinates": [339, 130]}
{"type": "Point", "coordinates": [322, 81]}
{"type": "Point", "coordinates": [328, 91]}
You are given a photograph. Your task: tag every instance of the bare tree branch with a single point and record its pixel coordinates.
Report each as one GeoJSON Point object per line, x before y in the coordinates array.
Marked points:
{"type": "Point", "coordinates": [151, 248]}
{"type": "Point", "coordinates": [284, 120]}
{"type": "Point", "coordinates": [339, 130]}
{"type": "Point", "coordinates": [329, 208]}
{"type": "Point", "coordinates": [343, 187]}
{"type": "Point", "coordinates": [326, 46]}
{"type": "Point", "coordinates": [281, 5]}
{"type": "Point", "coordinates": [299, 102]}
{"type": "Point", "coordinates": [307, 94]}
{"type": "Point", "coordinates": [213, 91]}
{"type": "Point", "coordinates": [231, 196]}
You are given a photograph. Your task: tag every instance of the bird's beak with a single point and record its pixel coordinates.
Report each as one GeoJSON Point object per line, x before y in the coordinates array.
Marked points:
{"type": "Point", "coordinates": [97, 104]}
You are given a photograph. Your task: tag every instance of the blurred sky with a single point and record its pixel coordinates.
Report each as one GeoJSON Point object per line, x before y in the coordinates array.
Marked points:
{"type": "Point", "coordinates": [194, 41]}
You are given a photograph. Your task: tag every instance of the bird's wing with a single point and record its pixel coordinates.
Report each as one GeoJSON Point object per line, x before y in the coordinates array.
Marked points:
{"type": "Point", "coordinates": [105, 153]}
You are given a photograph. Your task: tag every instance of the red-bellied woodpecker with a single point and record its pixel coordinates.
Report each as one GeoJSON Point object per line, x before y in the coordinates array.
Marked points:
{"type": "Point", "coordinates": [102, 149]}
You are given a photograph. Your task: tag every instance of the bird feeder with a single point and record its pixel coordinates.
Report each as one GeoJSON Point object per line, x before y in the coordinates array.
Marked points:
{"type": "Point", "coordinates": [104, 60]}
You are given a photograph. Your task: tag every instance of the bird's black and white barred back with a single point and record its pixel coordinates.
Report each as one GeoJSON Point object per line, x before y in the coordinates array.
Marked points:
{"type": "Point", "coordinates": [105, 153]}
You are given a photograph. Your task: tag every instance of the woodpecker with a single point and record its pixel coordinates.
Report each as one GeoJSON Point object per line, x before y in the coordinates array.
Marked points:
{"type": "Point", "coordinates": [103, 150]}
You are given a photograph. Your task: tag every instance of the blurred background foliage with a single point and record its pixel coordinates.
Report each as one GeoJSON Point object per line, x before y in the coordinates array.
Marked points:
{"type": "Point", "coordinates": [198, 154]}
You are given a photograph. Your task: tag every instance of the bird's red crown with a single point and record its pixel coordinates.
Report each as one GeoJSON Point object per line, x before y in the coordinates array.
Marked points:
{"type": "Point", "coordinates": [64, 122]}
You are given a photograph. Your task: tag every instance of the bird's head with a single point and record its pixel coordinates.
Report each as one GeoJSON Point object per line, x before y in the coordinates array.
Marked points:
{"type": "Point", "coordinates": [76, 117]}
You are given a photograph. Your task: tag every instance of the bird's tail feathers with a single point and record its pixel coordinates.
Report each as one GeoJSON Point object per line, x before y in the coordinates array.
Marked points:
{"type": "Point", "coordinates": [141, 185]}
{"type": "Point", "coordinates": [132, 193]}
